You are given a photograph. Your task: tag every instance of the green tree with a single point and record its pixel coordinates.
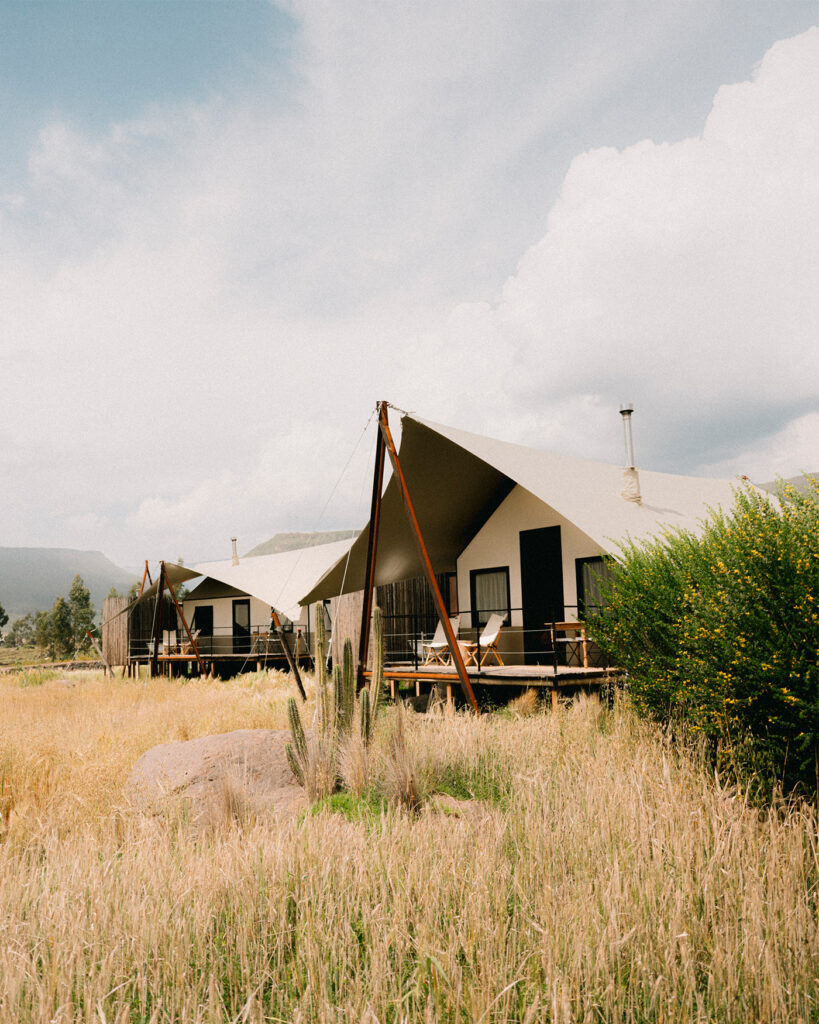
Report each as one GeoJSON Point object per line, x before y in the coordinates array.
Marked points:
{"type": "Point", "coordinates": [3, 617]}
{"type": "Point", "coordinates": [82, 613]}
{"type": "Point", "coordinates": [61, 630]}
{"type": "Point", "coordinates": [21, 632]}
{"type": "Point", "coordinates": [41, 633]}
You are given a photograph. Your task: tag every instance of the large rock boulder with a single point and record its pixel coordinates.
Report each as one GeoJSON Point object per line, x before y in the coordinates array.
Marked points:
{"type": "Point", "coordinates": [237, 775]}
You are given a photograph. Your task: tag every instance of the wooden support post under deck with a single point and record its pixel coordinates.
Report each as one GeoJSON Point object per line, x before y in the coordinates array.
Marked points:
{"type": "Point", "coordinates": [555, 696]}
{"type": "Point", "coordinates": [372, 554]}
{"type": "Point", "coordinates": [429, 572]}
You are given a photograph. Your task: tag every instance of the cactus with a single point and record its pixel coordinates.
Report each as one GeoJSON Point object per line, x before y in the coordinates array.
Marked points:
{"type": "Point", "coordinates": [321, 649]}
{"type": "Point", "coordinates": [366, 718]}
{"type": "Point", "coordinates": [377, 678]}
{"type": "Point", "coordinates": [344, 691]}
{"type": "Point", "coordinates": [297, 750]}
{"type": "Point", "coordinates": [296, 729]}
{"type": "Point", "coordinates": [295, 766]}
{"type": "Point", "coordinates": [349, 687]}
{"type": "Point", "coordinates": [315, 766]}
{"type": "Point", "coordinates": [323, 698]}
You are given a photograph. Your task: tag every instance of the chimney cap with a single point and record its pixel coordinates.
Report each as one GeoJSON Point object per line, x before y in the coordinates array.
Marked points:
{"type": "Point", "coordinates": [627, 409]}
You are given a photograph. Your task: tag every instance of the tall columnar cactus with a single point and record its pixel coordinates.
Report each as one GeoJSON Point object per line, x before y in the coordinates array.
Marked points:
{"type": "Point", "coordinates": [321, 647]}
{"type": "Point", "coordinates": [315, 764]}
{"type": "Point", "coordinates": [377, 678]}
{"type": "Point", "coordinates": [365, 716]}
{"type": "Point", "coordinates": [370, 700]}
{"type": "Point", "coordinates": [297, 750]}
{"type": "Point", "coordinates": [323, 696]}
{"type": "Point", "coordinates": [344, 689]}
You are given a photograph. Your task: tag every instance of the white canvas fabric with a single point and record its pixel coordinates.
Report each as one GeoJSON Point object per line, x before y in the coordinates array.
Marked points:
{"type": "Point", "coordinates": [457, 479]}
{"type": "Point", "coordinates": [280, 579]}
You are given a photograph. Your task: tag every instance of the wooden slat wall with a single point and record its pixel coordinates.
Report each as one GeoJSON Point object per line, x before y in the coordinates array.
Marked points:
{"type": "Point", "coordinates": [115, 630]}
{"type": "Point", "coordinates": [408, 610]}
{"type": "Point", "coordinates": [406, 606]}
{"type": "Point", "coordinates": [140, 624]}
{"type": "Point", "coordinates": [345, 612]}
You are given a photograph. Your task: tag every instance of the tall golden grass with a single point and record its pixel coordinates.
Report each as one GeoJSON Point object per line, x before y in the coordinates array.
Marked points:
{"type": "Point", "coordinates": [603, 877]}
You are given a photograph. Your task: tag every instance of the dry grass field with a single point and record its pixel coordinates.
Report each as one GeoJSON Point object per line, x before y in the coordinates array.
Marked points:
{"type": "Point", "coordinates": [598, 876]}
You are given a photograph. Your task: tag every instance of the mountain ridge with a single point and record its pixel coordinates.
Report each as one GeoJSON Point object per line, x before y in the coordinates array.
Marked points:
{"type": "Point", "coordinates": [291, 540]}
{"type": "Point", "coordinates": [32, 578]}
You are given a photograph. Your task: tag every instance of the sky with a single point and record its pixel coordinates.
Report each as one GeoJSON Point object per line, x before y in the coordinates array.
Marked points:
{"type": "Point", "coordinates": [227, 229]}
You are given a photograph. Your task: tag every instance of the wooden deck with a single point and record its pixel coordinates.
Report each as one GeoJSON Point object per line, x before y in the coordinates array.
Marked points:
{"type": "Point", "coordinates": [524, 676]}
{"type": "Point", "coordinates": [534, 675]}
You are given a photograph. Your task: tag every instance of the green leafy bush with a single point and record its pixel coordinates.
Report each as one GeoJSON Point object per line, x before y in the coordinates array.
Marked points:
{"type": "Point", "coordinates": [721, 631]}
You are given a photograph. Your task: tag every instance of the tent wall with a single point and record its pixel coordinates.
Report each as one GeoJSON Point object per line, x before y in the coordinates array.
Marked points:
{"type": "Point", "coordinates": [497, 544]}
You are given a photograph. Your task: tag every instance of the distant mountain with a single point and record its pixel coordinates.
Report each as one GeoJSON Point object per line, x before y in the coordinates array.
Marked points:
{"type": "Point", "coordinates": [799, 482]}
{"type": "Point", "coordinates": [32, 578]}
{"type": "Point", "coordinates": [291, 541]}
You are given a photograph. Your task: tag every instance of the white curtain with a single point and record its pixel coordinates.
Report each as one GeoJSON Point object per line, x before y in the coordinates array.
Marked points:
{"type": "Point", "coordinates": [491, 594]}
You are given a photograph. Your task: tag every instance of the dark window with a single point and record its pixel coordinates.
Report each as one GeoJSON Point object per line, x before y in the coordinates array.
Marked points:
{"type": "Point", "coordinates": [450, 593]}
{"type": "Point", "coordinates": [593, 574]}
{"type": "Point", "coordinates": [203, 620]}
{"type": "Point", "coordinates": [241, 626]}
{"type": "Point", "coordinates": [489, 590]}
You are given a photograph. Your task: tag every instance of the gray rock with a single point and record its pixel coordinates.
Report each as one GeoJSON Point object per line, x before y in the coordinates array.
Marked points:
{"type": "Point", "coordinates": [213, 779]}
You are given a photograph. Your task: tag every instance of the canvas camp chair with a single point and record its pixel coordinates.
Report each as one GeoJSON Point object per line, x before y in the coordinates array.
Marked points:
{"type": "Point", "coordinates": [487, 644]}
{"type": "Point", "coordinates": [186, 646]}
{"type": "Point", "coordinates": [436, 650]}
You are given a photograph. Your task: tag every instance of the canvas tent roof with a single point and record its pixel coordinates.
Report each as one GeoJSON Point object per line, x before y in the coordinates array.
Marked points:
{"type": "Point", "coordinates": [457, 479]}
{"type": "Point", "coordinates": [279, 579]}
{"type": "Point", "coordinates": [175, 573]}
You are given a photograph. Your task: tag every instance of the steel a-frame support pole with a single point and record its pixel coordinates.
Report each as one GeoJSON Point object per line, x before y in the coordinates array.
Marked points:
{"type": "Point", "coordinates": [372, 552]}
{"type": "Point", "coordinates": [291, 661]}
{"type": "Point", "coordinates": [429, 572]}
{"type": "Point", "coordinates": [181, 614]}
{"type": "Point", "coordinates": [157, 624]}
{"type": "Point", "coordinates": [146, 575]}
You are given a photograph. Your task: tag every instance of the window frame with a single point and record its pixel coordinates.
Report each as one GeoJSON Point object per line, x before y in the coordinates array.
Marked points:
{"type": "Point", "coordinates": [579, 564]}
{"type": "Point", "coordinates": [475, 611]}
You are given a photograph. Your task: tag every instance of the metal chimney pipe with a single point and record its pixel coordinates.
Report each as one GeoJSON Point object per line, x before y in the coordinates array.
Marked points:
{"type": "Point", "coordinates": [235, 552]}
{"type": "Point", "coordinates": [625, 412]}
{"type": "Point", "coordinates": [631, 479]}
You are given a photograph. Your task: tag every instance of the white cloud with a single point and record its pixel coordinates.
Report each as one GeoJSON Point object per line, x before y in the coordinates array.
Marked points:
{"type": "Point", "coordinates": [787, 453]}
{"type": "Point", "coordinates": [200, 307]}
{"type": "Point", "coordinates": [682, 276]}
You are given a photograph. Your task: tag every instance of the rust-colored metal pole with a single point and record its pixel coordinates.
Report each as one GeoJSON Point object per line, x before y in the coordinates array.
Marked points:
{"type": "Point", "coordinates": [294, 668]}
{"type": "Point", "coordinates": [440, 607]}
{"type": "Point", "coordinates": [181, 614]}
{"type": "Point", "coordinates": [157, 627]}
{"type": "Point", "coordinates": [372, 554]}
{"type": "Point", "coordinates": [145, 575]}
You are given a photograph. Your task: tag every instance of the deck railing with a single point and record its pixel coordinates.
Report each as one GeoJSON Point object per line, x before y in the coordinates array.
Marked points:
{"type": "Point", "coordinates": [261, 643]}
{"type": "Point", "coordinates": [554, 643]}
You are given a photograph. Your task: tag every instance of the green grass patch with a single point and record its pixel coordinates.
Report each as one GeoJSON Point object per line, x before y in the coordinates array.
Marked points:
{"type": "Point", "coordinates": [367, 808]}
{"type": "Point", "coordinates": [35, 676]}
{"type": "Point", "coordinates": [484, 781]}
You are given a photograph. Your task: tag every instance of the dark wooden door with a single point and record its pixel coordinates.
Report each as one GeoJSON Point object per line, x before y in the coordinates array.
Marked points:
{"type": "Point", "coordinates": [241, 626]}
{"type": "Point", "coordinates": [541, 578]}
